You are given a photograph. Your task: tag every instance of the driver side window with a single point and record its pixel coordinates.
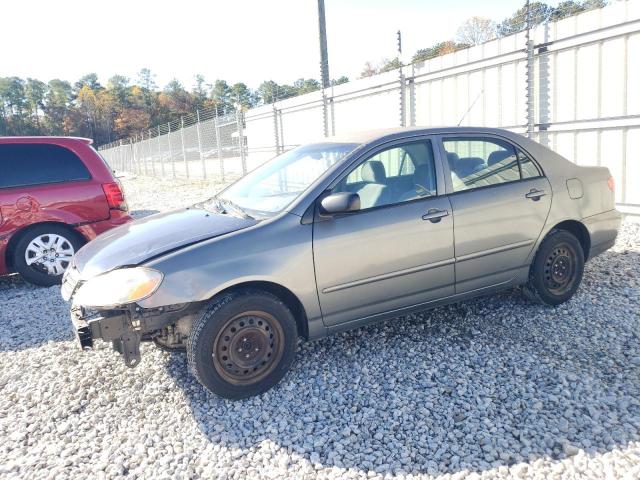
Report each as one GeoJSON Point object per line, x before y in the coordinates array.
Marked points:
{"type": "Point", "coordinates": [394, 175]}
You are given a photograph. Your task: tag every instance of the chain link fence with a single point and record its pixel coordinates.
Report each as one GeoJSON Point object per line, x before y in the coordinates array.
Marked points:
{"type": "Point", "coordinates": [571, 85]}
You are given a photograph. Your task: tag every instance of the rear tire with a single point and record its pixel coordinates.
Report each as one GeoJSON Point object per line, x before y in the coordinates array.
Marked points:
{"type": "Point", "coordinates": [45, 269]}
{"type": "Point", "coordinates": [557, 269]}
{"type": "Point", "coordinates": [243, 344]}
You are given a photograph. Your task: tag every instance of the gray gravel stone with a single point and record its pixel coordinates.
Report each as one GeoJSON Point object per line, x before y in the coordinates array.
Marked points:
{"type": "Point", "coordinates": [491, 388]}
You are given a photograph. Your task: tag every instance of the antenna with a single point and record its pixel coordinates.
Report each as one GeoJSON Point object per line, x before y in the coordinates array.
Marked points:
{"type": "Point", "coordinates": [470, 107]}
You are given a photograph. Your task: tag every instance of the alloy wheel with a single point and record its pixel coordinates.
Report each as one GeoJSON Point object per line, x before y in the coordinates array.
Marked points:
{"type": "Point", "coordinates": [49, 253]}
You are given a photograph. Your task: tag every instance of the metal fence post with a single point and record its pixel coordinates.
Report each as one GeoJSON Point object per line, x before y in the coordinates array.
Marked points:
{"type": "Point", "coordinates": [173, 162]}
{"type": "Point", "coordinates": [184, 152]}
{"type": "Point", "coordinates": [403, 119]}
{"type": "Point", "coordinates": [401, 78]}
{"type": "Point", "coordinates": [332, 109]}
{"type": "Point", "coordinates": [529, 74]}
{"type": "Point", "coordinates": [204, 167]}
{"type": "Point", "coordinates": [412, 97]}
{"type": "Point", "coordinates": [281, 125]}
{"type": "Point", "coordinates": [121, 156]}
{"type": "Point", "coordinates": [219, 145]}
{"type": "Point", "coordinates": [133, 156]}
{"type": "Point", "coordinates": [325, 114]}
{"type": "Point", "coordinates": [243, 159]}
{"type": "Point", "coordinates": [144, 157]}
{"type": "Point", "coordinates": [160, 153]}
{"type": "Point", "coordinates": [153, 160]}
{"type": "Point", "coordinates": [530, 88]}
{"type": "Point", "coordinates": [275, 128]}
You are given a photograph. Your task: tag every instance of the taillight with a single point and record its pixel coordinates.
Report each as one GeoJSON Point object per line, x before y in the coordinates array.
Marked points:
{"type": "Point", "coordinates": [611, 184]}
{"type": "Point", "coordinates": [115, 197]}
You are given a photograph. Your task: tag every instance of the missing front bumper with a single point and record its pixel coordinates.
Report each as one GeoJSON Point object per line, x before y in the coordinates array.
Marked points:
{"type": "Point", "coordinates": [125, 328]}
{"type": "Point", "coordinates": [110, 327]}
{"type": "Point", "coordinates": [84, 339]}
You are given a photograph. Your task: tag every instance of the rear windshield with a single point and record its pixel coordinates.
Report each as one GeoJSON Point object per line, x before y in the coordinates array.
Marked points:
{"type": "Point", "coordinates": [104, 160]}
{"type": "Point", "coordinates": [36, 164]}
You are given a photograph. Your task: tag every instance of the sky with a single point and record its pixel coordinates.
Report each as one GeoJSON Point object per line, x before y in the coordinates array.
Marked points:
{"type": "Point", "coordinates": [237, 40]}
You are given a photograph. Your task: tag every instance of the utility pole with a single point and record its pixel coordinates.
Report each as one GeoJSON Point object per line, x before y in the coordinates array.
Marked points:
{"type": "Point", "coordinates": [324, 65]}
{"type": "Point", "coordinates": [324, 55]}
{"type": "Point", "coordinates": [403, 118]}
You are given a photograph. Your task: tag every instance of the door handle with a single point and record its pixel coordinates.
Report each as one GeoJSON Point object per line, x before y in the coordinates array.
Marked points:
{"type": "Point", "coordinates": [434, 215]}
{"type": "Point", "coordinates": [535, 194]}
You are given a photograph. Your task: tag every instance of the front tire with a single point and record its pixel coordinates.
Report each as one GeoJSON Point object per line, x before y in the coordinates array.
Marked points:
{"type": "Point", "coordinates": [44, 252]}
{"type": "Point", "coordinates": [243, 344]}
{"type": "Point", "coordinates": [556, 272]}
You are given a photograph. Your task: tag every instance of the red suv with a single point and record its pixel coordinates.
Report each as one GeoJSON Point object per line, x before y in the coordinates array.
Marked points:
{"type": "Point", "coordinates": [56, 193]}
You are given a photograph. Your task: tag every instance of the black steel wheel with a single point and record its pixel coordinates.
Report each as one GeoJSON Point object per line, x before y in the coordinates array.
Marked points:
{"type": "Point", "coordinates": [556, 271]}
{"type": "Point", "coordinates": [243, 344]}
{"type": "Point", "coordinates": [559, 269]}
{"type": "Point", "coordinates": [248, 347]}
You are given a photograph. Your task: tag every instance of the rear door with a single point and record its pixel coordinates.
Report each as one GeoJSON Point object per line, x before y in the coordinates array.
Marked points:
{"type": "Point", "coordinates": [500, 200]}
{"type": "Point", "coordinates": [396, 252]}
{"type": "Point", "coordinates": [40, 182]}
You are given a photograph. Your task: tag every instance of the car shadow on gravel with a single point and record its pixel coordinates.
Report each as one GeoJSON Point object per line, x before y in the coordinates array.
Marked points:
{"type": "Point", "coordinates": [473, 386]}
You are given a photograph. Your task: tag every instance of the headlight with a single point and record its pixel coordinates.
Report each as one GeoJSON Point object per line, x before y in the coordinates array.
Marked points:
{"type": "Point", "coordinates": [118, 287]}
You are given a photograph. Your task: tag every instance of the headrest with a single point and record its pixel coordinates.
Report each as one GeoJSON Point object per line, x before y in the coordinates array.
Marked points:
{"type": "Point", "coordinates": [453, 158]}
{"type": "Point", "coordinates": [468, 165]}
{"type": "Point", "coordinates": [373, 172]}
{"type": "Point", "coordinates": [422, 173]}
{"type": "Point", "coordinates": [423, 176]}
{"type": "Point", "coordinates": [498, 156]}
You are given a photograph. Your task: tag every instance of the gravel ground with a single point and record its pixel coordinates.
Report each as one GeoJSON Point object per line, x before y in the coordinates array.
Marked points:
{"type": "Point", "coordinates": [491, 388]}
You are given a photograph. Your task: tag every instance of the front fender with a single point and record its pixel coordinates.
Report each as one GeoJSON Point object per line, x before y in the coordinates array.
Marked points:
{"type": "Point", "coordinates": [278, 251]}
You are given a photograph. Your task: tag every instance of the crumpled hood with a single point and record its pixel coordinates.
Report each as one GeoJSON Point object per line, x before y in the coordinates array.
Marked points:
{"type": "Point", "coordinates": [137, 241]}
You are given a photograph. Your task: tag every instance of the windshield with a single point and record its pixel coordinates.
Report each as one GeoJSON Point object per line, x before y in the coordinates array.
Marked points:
{"type": "Point", "coordinates": [271, 187]}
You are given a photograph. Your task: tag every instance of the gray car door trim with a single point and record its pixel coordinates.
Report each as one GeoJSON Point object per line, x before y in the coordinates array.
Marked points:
{"type": "Point", "coordinates": [413, 308]}
{"type": "Point", "coordinates": [386, 276]}
{"type": "Point", "coordinates": [491, 251]}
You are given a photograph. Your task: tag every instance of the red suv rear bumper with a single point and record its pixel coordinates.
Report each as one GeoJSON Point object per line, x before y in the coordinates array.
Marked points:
{"type": "Point", "coordinates": [91, 230]}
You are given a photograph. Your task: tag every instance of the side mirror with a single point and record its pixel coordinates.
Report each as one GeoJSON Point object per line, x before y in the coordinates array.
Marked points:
{"type": "Point", "coordinates": [341, 202]}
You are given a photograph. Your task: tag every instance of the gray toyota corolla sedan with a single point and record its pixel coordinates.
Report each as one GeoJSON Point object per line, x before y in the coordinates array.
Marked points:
{"type": "Point", "coordinates": [333, 235]}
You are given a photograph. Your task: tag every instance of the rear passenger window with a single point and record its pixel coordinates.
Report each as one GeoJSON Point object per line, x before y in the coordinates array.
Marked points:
{"type": "Point", "coordinates": [527, 167]}
{"type": "Point", "coordinates": [37, 164]}
{"type": "Point", "coordinates": [480, 162]}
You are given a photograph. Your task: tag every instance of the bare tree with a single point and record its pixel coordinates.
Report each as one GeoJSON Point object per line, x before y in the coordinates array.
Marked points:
{"type": "Point", "coordinates": [368, 70]}
{"type": "Point", "coordinates": [476, 30]}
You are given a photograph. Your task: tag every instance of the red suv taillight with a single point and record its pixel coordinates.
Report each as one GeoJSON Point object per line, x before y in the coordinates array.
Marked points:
{"type": "Point", "coordinates": [115, 196]}
{"type": "Point", "coordinates": [611, 184]}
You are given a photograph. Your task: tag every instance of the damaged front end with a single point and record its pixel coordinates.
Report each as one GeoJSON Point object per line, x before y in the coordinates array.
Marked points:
{"type": "Point", "coordinates": [125, 326]}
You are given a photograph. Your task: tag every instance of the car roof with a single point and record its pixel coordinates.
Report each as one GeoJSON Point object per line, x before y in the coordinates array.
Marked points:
{"type": "Point", "coordinates": [46, 139]}
{"type": "Point", "coordinates": [384, 134]}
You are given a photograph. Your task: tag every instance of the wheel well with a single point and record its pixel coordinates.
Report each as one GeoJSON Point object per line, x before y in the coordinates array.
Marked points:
{"type": "Point", "coordinates": [579, 231]}
{"type": "Point", "coordinates": [284, 294]}
{"type": "Point", "coordinates": [15, 238]}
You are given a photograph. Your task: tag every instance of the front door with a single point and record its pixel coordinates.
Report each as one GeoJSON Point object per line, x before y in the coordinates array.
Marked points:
{"type": "Point", "coordinates": [397, 251]}
{"type": "Point", "coordinates": [500, 202]}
